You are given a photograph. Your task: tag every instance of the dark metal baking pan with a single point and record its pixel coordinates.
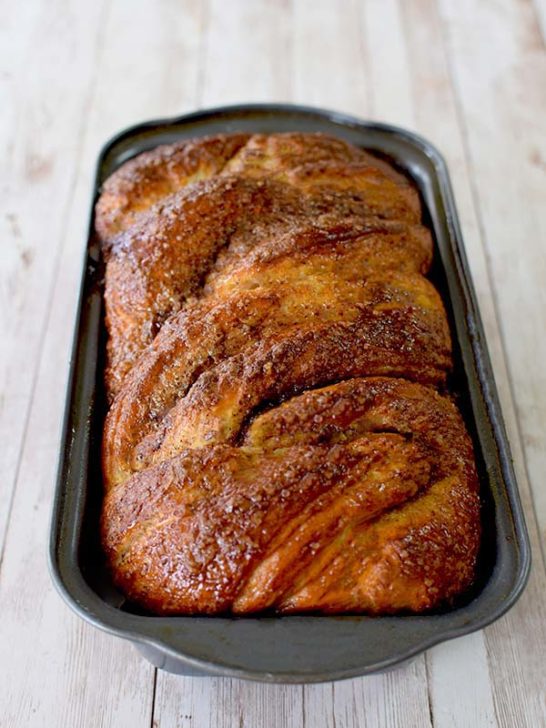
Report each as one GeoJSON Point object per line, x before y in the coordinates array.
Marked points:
{"type": "Point", "coordinates": [306, 648]}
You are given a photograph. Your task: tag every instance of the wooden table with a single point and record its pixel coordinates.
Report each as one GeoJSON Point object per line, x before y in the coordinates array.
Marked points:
{"type": "Point", "coordinates": [468, 75]}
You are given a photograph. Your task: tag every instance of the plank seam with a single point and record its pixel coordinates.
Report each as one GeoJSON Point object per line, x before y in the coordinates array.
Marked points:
{"type": "Point", "coordinates": [289, 79]}
{"type": "Point", "coordinates": [202, 55]}
{"type": "Point", "coordinates": [429, 691]}
{"type": "Point", "coordinates": [154, 689]}
{"type": "Point", "coordinates": [366, 60]}
{"type": "Point", "coordinates": [538, 20]}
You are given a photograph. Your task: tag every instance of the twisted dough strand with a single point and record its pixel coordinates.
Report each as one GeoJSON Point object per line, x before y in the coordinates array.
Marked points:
{"type": "Point", "coordinates": [358, 497]}
{"type": "Point", "coordinates": [167, 215]}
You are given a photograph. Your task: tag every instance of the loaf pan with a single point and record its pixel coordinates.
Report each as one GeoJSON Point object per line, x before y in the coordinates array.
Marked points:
{"type": "Point", "coordinates": [290, 649]}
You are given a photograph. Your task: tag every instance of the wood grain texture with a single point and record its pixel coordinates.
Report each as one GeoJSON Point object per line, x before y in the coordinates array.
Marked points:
{"type": "Point", "coordinates": [539, 7]}
{"type": "Point", "coordinates": [246, 52]}
{"type": "Point", "coordinates": [380, 701]}
{"type": "Point", "coordinates": [184, 702]}
{"type": "Point", "coordinates": [459, 684]}
{"type": "Point", "coordinates": [511, 220]}
{"type": "Point", "coordinates": [503, 94]}
{"type": "Point", "coordinates": [469, 76]}
{"type": "Point", "coordinates": [389, 62]}
{"type": "Point", "coordinates": [40, 164]}
{"type": "Point", "coordinates": [320, 62]}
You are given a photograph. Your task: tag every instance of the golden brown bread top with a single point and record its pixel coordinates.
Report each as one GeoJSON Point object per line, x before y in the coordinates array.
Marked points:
{"type": "Point", "coordinates": [218, 359]}
{"type": "Point", "coordinates": [150, 177]}
{"type": "Point", "coordinates": [141, 182]}
{"type": "Point", "coordinates": [275, 441]}
{"type": "Point", "coordinates": [351, 250]}
{"type": "Point", "coordinates": [361, 496]}
{"type": "Point", "coordinates": [272, 185]}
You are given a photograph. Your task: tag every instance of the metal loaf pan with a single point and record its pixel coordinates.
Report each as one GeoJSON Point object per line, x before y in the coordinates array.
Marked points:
{"type": "Point", "coordinates": [307, 648]}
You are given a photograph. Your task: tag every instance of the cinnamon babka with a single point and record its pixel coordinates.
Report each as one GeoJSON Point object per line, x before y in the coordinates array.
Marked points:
{"type": "Point", "coordinates": [279, 434]}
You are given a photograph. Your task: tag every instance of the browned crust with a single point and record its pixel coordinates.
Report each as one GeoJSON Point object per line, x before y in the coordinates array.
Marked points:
{"type": "Point", "coordinates": [358, 497]}
{"type": "Point", "coordinates": [276, 440]}
{"type": "Point", "coordinates": [165, 216]}
{"type": "Point", "coordinates": [221, 357]}
{"type": "Point", "coordinates": [149, 177]}
{"type": "Point", "coordinates": [144, 180]}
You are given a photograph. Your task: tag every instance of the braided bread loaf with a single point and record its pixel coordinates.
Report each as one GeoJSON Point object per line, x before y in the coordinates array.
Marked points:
{"type": "Point", "coordinates": [275, 438]}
